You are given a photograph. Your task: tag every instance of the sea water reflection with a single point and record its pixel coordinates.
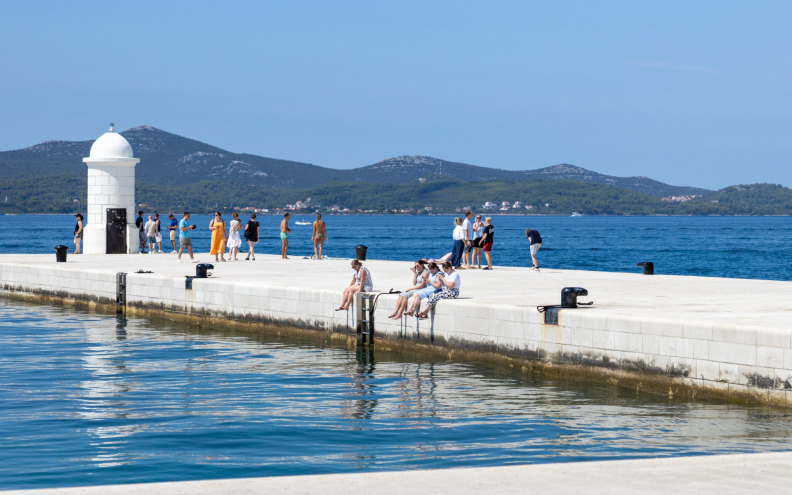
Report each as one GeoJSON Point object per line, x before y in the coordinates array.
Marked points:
{"type": "Point", "coordinates": [89, 399]}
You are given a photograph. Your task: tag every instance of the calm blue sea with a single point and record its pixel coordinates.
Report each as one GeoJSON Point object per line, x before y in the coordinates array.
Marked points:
{"type": "Point", "coordinates": [90, 399]}
{"type": "Point", "coordinates": [737, 247]}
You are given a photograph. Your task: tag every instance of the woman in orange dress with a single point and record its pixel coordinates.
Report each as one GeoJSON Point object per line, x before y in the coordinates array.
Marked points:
{"type": "Point", "coordinates": [218, 228]}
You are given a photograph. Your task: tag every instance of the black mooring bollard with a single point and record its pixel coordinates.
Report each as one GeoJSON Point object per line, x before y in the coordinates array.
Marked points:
{"type": "Point", "coordinates": [569, 296]}
{"type": "Point", "coordinates": [202, 270]}
{"type": "Point", "coordinates": [648, 267]}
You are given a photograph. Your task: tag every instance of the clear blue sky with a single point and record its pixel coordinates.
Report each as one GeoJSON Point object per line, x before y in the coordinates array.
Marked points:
{"type": "Point", "coordinates": [686, 92]}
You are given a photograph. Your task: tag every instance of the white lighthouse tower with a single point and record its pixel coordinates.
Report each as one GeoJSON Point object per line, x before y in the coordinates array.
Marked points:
{"type": "Point", "coordinates": [111, 197]}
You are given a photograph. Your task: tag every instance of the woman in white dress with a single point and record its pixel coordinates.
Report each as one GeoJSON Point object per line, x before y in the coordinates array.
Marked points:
{"type": "Point", "coordinates": [233, 237]}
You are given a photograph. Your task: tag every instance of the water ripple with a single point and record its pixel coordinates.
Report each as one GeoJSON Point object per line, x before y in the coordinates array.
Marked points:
{"type": "Point", "coordinates": [85, 404]}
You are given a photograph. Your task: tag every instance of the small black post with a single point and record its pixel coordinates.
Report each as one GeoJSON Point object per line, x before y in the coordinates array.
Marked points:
{"type": "Point", "coordinates": [648, 267]}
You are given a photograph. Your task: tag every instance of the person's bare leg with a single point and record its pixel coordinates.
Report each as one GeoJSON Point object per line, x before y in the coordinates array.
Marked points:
{"type": "Point", "coordinates": [343, 300]}
{"type": "Point", "coordinates": [396, 309]}
{"type": "Point", "coordinates": [415, 303]}
{"type": "Point", "coordinates": [401, 305]}
{"type": "Point", "coordinates": [321, 245]}
{"type": "Point", "coordinates": [489, 259]}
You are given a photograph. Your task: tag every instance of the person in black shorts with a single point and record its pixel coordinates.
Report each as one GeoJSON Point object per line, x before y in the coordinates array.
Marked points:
{"type": "Point", "coordinates": [536, 243]}
{"type": "Point", "coordinates": [252, 236]}
{"type": "Point", "coordinates": [487, 240]}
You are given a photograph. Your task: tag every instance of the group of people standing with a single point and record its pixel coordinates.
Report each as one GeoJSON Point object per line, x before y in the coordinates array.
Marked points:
{"type": "Point", "coordinates": [471, 238]}
{"type": "Point", "coordinates": [228, 237]}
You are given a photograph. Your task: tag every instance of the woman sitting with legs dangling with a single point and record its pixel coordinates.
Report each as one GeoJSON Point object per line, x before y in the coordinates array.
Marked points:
{"type": "Point", "coordinates": [420, 274]}
{"type": "Point", "coordinates": [433, 285]}
{"type": "Point", "coordinates": [361, 282]}
{"type": "Point", "coordinates": [451, 285]}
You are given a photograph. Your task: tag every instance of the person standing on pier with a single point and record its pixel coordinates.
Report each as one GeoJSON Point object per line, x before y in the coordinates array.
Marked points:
{"type": "Point", "coordinates": [218, 228]}
{"type": "Point", "coordinates": [459, 242]}
{"type": "Point", "coordinates": [487, 240]}
{"type": "Point", "coordinates": [319, 235]}
{"type": "Point", "coordinates": [284, 235]}
{"type": "Point", "coordinates": [151, 234]}
{"type": "Point", "coordinates": [467, 249]}
{"type": "Point", "coordinates": [536, 242]}
{"type": "Point", "coordinates": [174, 229]}
{"type": "Point", "coordinates": [185, 237]}
{"type": "Point", "coordinates": [478, 236]}
{"type": "Point", "coordinates": [252, 236]}
{"type": "Point", "coordinates": [159, 233]}
{"type": "Point", "coordinates": [141, 233]}
{"type": "Point", "coordinates": [78, 233]}
{"type": "Point", "coordinates": [233, 237]}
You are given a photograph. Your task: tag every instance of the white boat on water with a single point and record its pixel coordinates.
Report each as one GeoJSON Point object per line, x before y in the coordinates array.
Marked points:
{"type": "Point", "coordinates": [576, 214]}
{"type": "Point", "coordinates": [302, 222]}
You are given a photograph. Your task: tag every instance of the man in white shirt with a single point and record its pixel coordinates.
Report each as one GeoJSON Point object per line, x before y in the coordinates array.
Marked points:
{"type": "Point", "coordinates": [469, 233]}
{"type": "Point", "coordinates": [151, 234]}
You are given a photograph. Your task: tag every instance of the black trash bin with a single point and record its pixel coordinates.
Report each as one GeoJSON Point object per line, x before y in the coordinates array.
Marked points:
{"type": "Point", "coordinates": [60, 253]}
{"type": "Point", "coordinates": [360, 252]}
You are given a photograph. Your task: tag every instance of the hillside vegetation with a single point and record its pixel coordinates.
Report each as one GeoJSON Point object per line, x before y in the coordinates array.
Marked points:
{"type": "Point", "coordinates": [67, 194]}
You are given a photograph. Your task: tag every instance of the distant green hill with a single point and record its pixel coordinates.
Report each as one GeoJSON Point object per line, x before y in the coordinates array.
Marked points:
{"type": "Point", "coordinates": [177, 173]}
{"type": "Point", "coordinates": [57, 194]}
{"type": "Point", "coordinates": [173, 160]}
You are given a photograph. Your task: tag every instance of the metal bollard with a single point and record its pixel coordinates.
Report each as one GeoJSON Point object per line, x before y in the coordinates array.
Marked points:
{"type": "Point", "coordinates": [202, 270]}
{"type": "Point", "coordinates": [569, 296]}
{"type": "Point", "coordinates": [648, 267]}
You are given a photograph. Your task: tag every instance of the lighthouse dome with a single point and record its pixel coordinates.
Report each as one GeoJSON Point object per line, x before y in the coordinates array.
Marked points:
{"type": "Point", "coordinates": [111, 145]}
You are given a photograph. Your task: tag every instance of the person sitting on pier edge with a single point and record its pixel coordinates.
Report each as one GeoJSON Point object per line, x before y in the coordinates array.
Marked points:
{"type": "Point", "coordinates": [451, 285]}
{"type": "Point", "coordinates": [420, 274]}
{"type": "Point", "coordinates": [361, 282]}
{"type": "Point", "coordinates": [433, 285]}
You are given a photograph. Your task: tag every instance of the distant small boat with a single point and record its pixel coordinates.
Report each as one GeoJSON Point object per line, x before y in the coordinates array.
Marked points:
{"type": "Point", "coordinates": [576, 214]}
{"type": "Point", "coordinates": [303, 222]}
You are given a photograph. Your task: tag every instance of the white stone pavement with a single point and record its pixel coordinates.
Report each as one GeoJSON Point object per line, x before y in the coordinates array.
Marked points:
{"type": "Point", "coordinates": [718, 475]}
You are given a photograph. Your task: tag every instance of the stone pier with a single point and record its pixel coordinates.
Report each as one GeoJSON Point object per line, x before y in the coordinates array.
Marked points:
{"type": "Point", "coordinates": [680, 336]}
